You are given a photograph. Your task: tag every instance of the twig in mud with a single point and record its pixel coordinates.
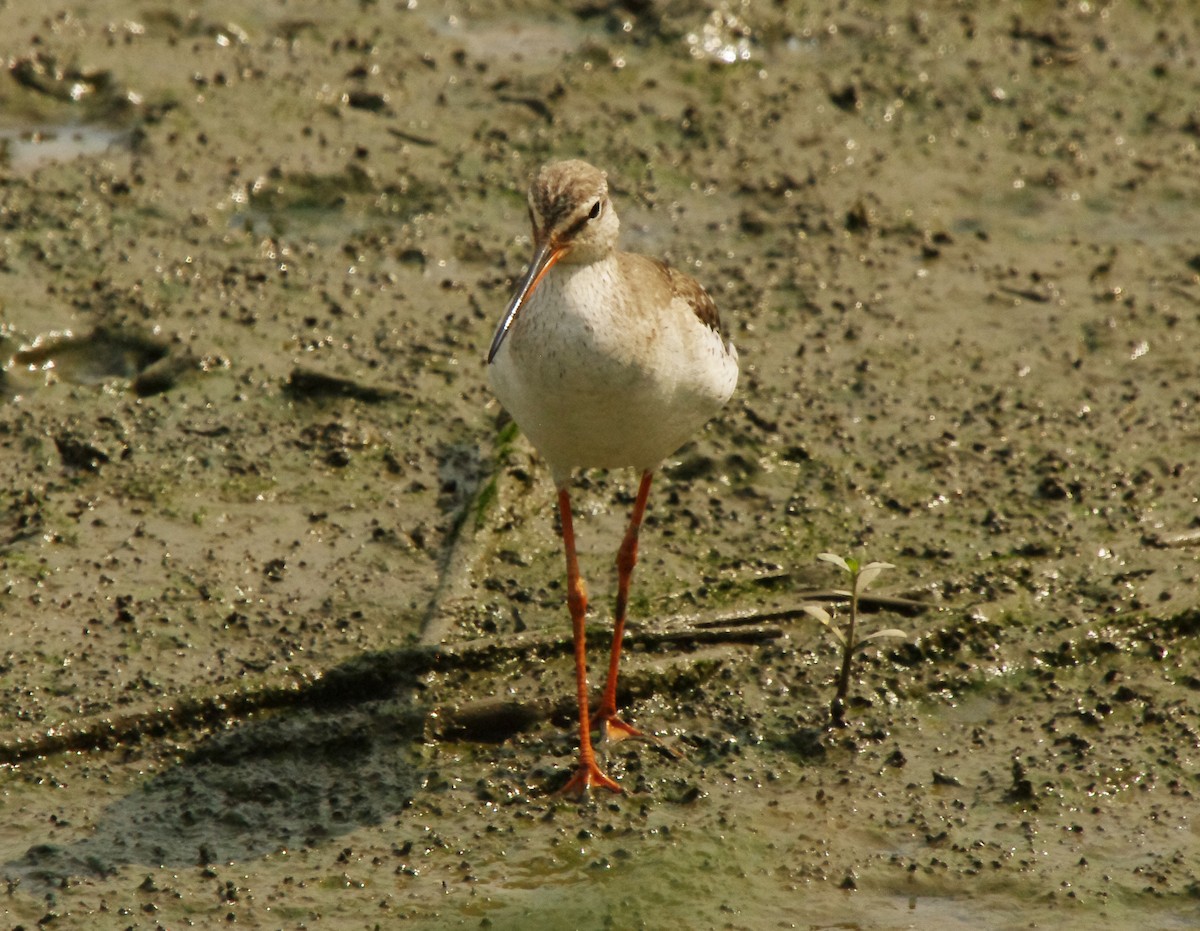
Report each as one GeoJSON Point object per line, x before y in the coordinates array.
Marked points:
{"type": "Point", "coordinates": [1174, 540]}
{"type": "Point", "coordinates": [371, 677]}
{"type": "Point", "coordinates": [378, 676]}
{"type": "Point", "coordinates": [899, 604]}
{"type": "Point", "coordinates": [413, 138]}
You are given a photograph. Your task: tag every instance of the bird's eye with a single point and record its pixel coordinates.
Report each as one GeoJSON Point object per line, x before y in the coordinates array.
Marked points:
{"type": "Point", "coordinates": [595, 211]}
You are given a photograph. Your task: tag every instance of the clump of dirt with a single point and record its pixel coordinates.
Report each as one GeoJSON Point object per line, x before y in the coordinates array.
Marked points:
{"type": "Point", "coordinates": [285, 640]}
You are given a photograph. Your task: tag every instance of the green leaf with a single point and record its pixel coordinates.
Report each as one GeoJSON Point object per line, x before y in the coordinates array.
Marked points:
{"type": "Point", "coordinates": [869, 572]}
{"type": "Point", "coordinates": [837, 561]}
{"type": "Point", "coordinates": [890, 632]}
{"type": "Point", "coordinates": [822, 615]}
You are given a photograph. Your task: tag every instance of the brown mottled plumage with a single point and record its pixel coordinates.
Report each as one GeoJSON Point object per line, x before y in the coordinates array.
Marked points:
{"type": "Point", "coordinates": [690, 290]}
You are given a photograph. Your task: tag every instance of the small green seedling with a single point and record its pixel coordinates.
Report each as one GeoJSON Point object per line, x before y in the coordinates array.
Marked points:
{"type": "Point", "coordinates": [860, 577]}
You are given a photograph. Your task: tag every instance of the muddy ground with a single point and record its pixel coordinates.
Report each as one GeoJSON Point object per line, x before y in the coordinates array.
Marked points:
{"type": "Point", "coordinates": [284, 643]}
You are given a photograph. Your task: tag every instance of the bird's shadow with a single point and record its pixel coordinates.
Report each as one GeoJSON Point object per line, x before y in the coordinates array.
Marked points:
{"type": "Point", "coordinates": [344, 750]}
{"type": "Point", "coordinates": [280, 780]}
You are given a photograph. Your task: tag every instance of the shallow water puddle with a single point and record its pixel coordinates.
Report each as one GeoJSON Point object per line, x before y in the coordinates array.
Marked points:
{"type": "Point", "coordinates": [25, 150]}
{"type": "Point", "coordinates": [92, 359]}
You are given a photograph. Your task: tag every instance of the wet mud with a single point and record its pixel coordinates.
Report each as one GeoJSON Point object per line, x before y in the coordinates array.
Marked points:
{"type": "Point", "coordinates": [284, 640]}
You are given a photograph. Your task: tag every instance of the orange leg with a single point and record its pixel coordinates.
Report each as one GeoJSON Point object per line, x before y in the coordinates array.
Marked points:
{"type": "Point", "coordinates": [588, 774]}
{"type": "Point", "coordinates": [614, 727]}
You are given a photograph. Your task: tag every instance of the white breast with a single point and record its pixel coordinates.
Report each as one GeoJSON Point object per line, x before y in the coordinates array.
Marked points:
{"type": "Point", "coordinates": [595, 381]}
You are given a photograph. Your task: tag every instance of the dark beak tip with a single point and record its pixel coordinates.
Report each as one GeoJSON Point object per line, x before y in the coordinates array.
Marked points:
{"type": "Point", "coordinates": [545, 256]}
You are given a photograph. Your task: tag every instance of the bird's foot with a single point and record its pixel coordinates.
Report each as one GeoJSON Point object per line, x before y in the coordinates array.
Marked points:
{"type": "Point", "coordinates": [587, 775]}
{"type": "Point", "coordinates": [614, 729]}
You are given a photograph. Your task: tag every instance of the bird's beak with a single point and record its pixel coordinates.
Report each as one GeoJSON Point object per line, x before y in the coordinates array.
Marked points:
{"type": "Point", "coordinates": [548, 253]}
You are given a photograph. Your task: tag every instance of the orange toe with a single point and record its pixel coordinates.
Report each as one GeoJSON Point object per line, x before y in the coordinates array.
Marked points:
{"type": "Point", "coordinates": [587, 775]}
{"type": "Point", "coordinates": [615, 729]}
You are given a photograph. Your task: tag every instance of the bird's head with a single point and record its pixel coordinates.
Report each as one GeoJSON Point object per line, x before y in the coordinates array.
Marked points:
{"type": "Point", "coordinates": [573, 223]}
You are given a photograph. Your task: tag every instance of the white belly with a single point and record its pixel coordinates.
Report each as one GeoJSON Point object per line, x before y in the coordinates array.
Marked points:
{"type": "Point", "coordinates": [595, 382]}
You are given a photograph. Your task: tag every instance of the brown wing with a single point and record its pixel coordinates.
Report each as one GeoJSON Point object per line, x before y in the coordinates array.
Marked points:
{"type": "Point", "coordinates": [676, 284]}
{"type": "Point", "coordinates": [701, 302]}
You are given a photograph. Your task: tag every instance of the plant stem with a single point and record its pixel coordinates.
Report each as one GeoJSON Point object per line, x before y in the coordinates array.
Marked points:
{"type": "Point", "coordinates": [837, 708]}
